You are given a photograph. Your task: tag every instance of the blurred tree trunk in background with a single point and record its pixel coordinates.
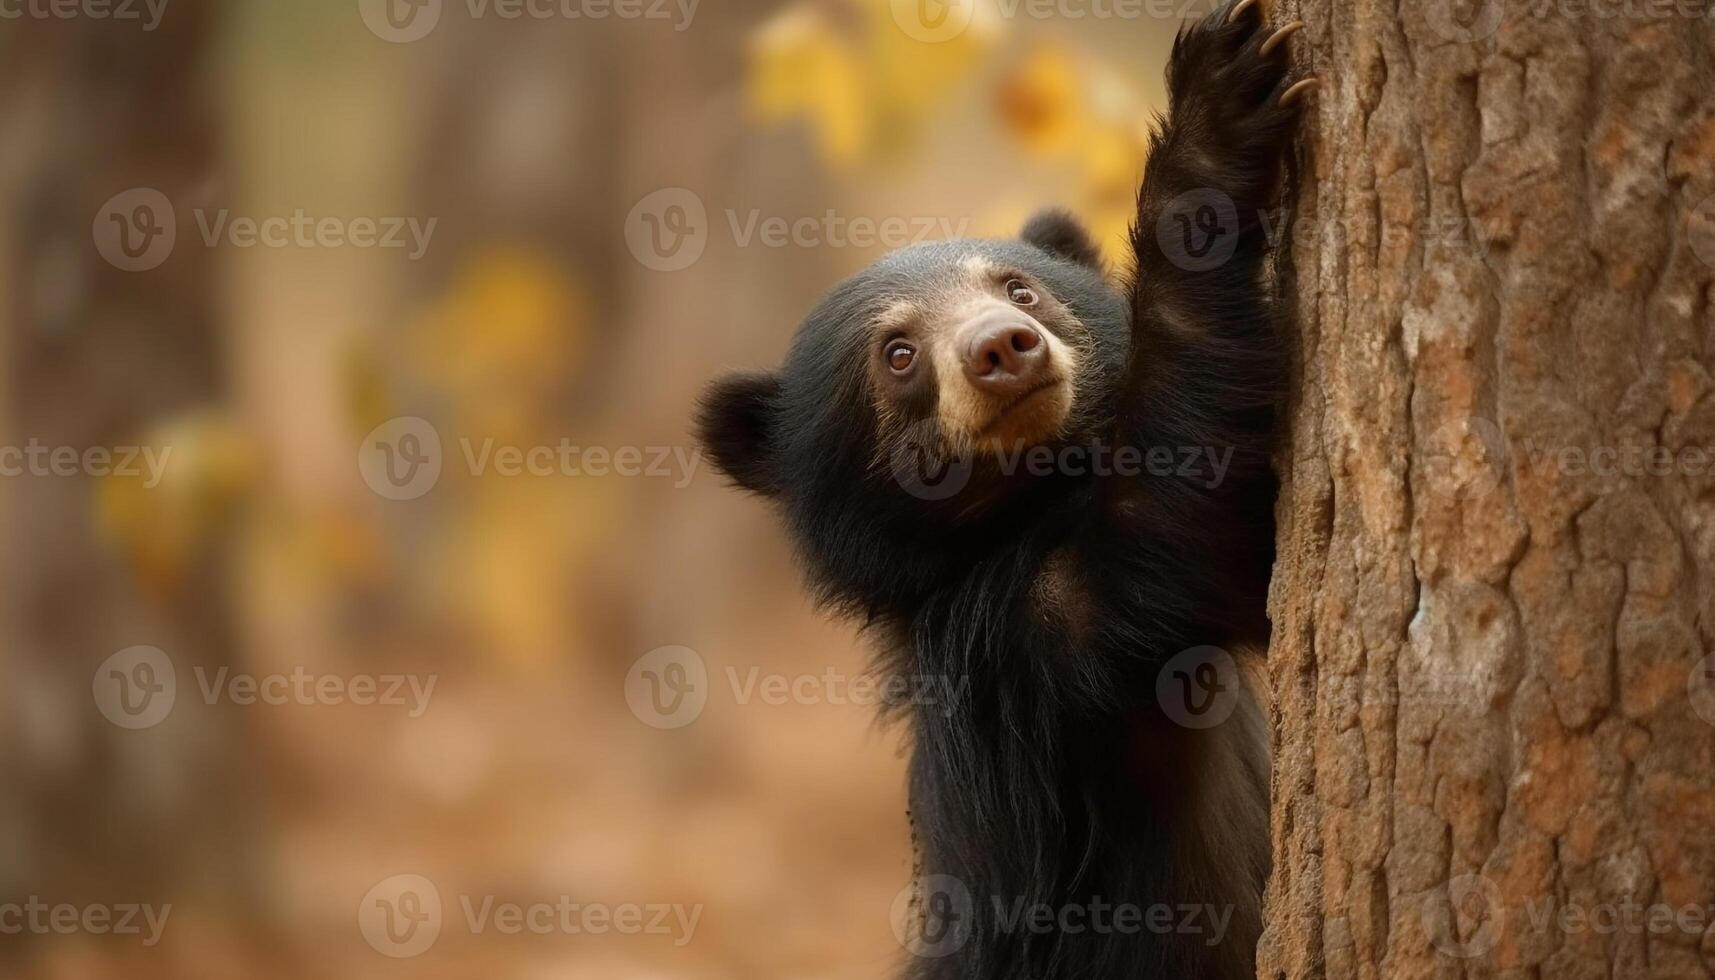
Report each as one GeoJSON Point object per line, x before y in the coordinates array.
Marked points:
{"type": "Point", "coordinates": [1495, 589]}
{"type": "Point", "coordinates": [96, 356]}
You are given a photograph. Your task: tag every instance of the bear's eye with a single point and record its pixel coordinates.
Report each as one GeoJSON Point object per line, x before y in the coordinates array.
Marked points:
{"type": "Point", "coordinates": [900, 356]}
{"type": "Point", "coordinates": [1019, 293]}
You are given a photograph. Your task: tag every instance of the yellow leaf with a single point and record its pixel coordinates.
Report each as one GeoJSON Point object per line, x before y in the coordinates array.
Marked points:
{"type": "Point", "coordinates": [913, 77]}
{"type": "Point", "coordinates": [1042, 102]}
{"type": "Point", "coordinates": [801, 67]}
{"type": "Point", "coordinates": [510, 318]}
{"type": "Point", "coordinates": [167, 505]}
{"type": "Point", "coordinates": [863, 84]}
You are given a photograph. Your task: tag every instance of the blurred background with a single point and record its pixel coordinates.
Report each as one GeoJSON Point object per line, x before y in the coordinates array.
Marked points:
{"type": "Point", "coordinates": [366, 608]}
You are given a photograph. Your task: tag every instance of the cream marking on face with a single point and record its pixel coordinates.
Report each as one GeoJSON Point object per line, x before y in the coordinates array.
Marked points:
{"type": "Point", "coordinates": [893, 318]}
{"type": "Point", "coordinates": [975, 420]}
{"type": "Point", "coordinates": [969, 421]}
{"type": "Point", "coordinates": [978, 270]}
{"type": "Point", "coordinates": [896, 315]}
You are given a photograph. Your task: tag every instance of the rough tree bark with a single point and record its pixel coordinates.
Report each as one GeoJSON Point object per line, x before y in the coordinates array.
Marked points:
{"type": "Point", "coordinates": [1496, 737]}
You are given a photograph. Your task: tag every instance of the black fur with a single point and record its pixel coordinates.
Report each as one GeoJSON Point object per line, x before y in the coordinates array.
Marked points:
{"type": "Point", "coordinates": [734, 422]}
{"type": "Point", "coordinates": [1058, 233]}
{"type": "Point", "coordinates": [1060, 779]}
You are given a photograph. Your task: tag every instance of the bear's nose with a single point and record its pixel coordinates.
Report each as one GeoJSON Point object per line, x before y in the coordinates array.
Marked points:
{"type": "Point", "coordinates": [1004, 352]}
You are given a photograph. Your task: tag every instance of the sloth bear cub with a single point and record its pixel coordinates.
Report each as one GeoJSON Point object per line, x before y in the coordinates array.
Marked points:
{"type": "Point", "coordinates": [1054, 495]}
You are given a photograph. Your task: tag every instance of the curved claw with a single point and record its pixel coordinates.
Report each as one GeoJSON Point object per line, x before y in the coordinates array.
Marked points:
{"type": "Point", "coordinates": [1298, 89]}
{"type": "Point", "coordinates": [1239, 10]}
{"type": "Point", "coordinates": [1278, 37]}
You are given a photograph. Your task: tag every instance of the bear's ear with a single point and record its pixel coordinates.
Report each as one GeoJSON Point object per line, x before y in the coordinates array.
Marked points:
{"type": "Point", "coordinates": [1059, 234]}
{"type": "Point", "coordinates": [735, 424]}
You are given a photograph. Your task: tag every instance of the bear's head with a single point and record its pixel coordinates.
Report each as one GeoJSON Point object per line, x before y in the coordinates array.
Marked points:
{"type": "Point", "coordinates": [920, 400]}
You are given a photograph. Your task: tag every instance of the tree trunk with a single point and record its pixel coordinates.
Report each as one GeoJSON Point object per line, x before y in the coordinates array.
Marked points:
{"type": "Point", "coordinates": [98, 356]}
{"type": "Point", "coordinates": [1496, 726]}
